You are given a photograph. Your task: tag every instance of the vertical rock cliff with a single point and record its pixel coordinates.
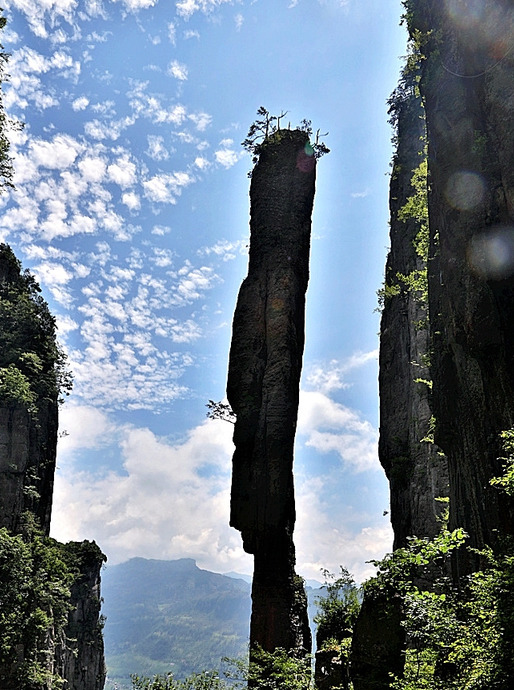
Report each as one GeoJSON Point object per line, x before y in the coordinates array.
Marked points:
{"type": "Point", "coordinates": [80, 657]}
{"type": "Point", "coordinates": [263, 384]}
{"type": "Point", "coordinates": [467, 85]}
{"type": "Point", "coordinates": [32, 377]}
{"type": "Point", "coordinates": [28, 397]}
{"type": "Point", "coordinates": [415, 467]}
{"type": "Point", "coordinates": [464, 66]}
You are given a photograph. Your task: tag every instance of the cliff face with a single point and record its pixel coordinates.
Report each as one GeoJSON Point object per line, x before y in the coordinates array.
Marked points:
{"type": "Point", "coordinates": [80, 658]}
{"type": "Point", "coordinates": [468, 90]}
{"type": "Point", "coordinates": [263, 384]}
{"type": "Point", "coordinates": [27, 463]}
{"type": "Point", "coordinates": [416, 469]}
{"type": "Point", "coordinates": [32, 376]}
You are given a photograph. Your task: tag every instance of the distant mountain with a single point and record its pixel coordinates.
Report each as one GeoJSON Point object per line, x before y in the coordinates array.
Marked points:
{"type": "Point", "coordinates": [171, 615]}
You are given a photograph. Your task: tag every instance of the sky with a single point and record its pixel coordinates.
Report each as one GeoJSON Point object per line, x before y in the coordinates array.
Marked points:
{"type": "Point", "coordinates": [131, 208]}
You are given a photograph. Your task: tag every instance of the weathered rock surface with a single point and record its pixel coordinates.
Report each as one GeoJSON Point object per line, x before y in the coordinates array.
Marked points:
{"type": "Point", "coordinates": [468, 89]}
{"type": "Point", "coordinates": [417, 473]}
{"type": "Point", "coordinates": [28, 445]}
{"type": "Point", "coordinates": [263, 383]}
{"type": "Point", "coordinates": [27, 463]}
{"type": "Point", "coordinates": [80, 658]}
{"type": "Point", "coordinates": [416, 470]}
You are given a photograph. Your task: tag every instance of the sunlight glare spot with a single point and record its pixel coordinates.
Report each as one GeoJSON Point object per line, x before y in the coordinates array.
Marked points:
{"type": "Point", "coordinates": [467, 13]}
{"type": "Point", "coordinates": [305, 161]}
{"type": "Point", "coordinates": [464, 190]}
{"type": "Point", "coordinates": [491, 254]}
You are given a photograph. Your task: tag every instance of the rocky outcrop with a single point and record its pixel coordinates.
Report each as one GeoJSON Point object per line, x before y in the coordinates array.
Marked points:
{"type": "Point", "coordinates": [27, 463]}
{"type": "Point", "coordinates": [468, 90]}
{"type": "Point", "coordinates": [263, 383]}
{"type": "Point", "coordinates": [32, 377]}
{"type": "Point", "coordinates": [415, 467]}
{"type": "Point", "coordinates": [80, 656]}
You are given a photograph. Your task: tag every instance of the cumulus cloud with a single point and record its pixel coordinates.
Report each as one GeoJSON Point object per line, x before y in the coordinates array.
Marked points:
{"type": "Point", "coordinates": [322, 542]}
{"type": "Point", "coordinates": [164, 188]}
{"type": "Point", "coordinates": [330, 427]}
{"type": "Point", "coordinates": [39, 14]}
{"type": "Point", "coordinates": [80, 103]}
{"type": "Point", "coordinates": [156, 148]}
{"type": "Point", "coordinates": [123, 171]}
{"type": "Point", "coordinates": [169, 500]}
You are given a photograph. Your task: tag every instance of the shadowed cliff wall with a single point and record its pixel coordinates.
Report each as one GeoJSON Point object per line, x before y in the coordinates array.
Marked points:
{"type": "Point", "coordinates": [467, 85]}
{"type": "Point", "coordinates": [263, 383]}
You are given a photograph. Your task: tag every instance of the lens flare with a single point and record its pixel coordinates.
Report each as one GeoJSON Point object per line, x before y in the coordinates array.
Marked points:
{"type": "Point", "coordinates": [464, 190]}
{"type": "Point", "coordinates": [305, 161]}
{"type": "Point", "coordinates": [466, 13]}
{"type": "Point", "coordinates": [487, 26]}
{"type": "Point", "coordinates": [491, 254]}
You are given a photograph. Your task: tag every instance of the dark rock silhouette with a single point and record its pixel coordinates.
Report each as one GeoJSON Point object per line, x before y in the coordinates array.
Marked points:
{"type": "Point", "coordinates": [263, 384]}
{"type": "Point", "coordinates": [467, 85]}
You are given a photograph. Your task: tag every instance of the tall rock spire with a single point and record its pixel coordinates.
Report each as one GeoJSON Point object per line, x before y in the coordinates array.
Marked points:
{"type": "Point", "coordinates": [263, 384]}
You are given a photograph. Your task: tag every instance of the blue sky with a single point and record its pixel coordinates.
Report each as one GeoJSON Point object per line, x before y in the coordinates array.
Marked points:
{"type": "Point", "coordinates": [131, 207]}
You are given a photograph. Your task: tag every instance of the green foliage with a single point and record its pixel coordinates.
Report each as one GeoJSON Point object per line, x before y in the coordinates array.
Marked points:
{"type": "Point", "coordinates": [207, 680]}
{"type": "Point", "coordinates": [279, 670]}
{"type": "Point", "coordinates": [266, 129]}
{"type": "Point", "coordinates": [6, 123]}
{"type": "Point", "coordinates": [506, 480]}
{"type": "Point", "coordinates": [338, 610]}
{"type": "Point", "coordinates": [15, 388]}
{"type": "Point", "coordinates": [35, 581]}
{"type": "Point", "coordinates": [32, 365]}
{"type": "Point", "coordinates": [458, 634]}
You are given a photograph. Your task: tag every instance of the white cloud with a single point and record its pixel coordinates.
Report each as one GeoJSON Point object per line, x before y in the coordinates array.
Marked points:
{"type": "Point", "coordinates": [165, 187]}
{"type": "Point", "coordinates": [39, 13]}
{"type": "Point", "coordinates": [322, 542]}
{"type": "Point", "coordinates": [186, 8]}
{"type": "Point", "coordinates": [172, 500]}
{"type": "Point", "coordinates": [201, 120]}
{"type": "Point", "coordinates": [169, 500]}
{"type": "Point", "coordinates": [123, 172]}
{"type": "Point", "coordinates": [80, 103]}
{"type": "Point", "coordinates": [332, 427]}
{"type": "Point", "coordinates": [361, 195]}
{"type": "Point", "coordinates": [239, 20]}
{"type": "Point", "coordinates": [177, 70]}
{"type": "Point", "coordinates": [156, 148]}
{"type": "Point", "coordinates": [226, 157]}
{"type": "Point", "coordinates": [224, 249]}
{"type": "Point", "coordinates": [92, 168]}
{"type": "Point", "coordinates": [331, 376]}
{"type": "Point", "coordinates": [59, 153]}
{"type": "Point", "coordinates": [131, 201]}
{"type": "Point", "coordinates": [135, 5]}
{"type": "Point", "coordinates": [201, 162]}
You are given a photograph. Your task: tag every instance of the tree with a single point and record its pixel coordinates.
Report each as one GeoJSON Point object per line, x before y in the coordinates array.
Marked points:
{"type": "Point", "coordinates": [6, 123]}
{"type": "Point", "coordinates": [32, 365]}
{"type": "Point", "coordinates": [267, 127]}
{"type": "Point", "coordinates": [35, 581]}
